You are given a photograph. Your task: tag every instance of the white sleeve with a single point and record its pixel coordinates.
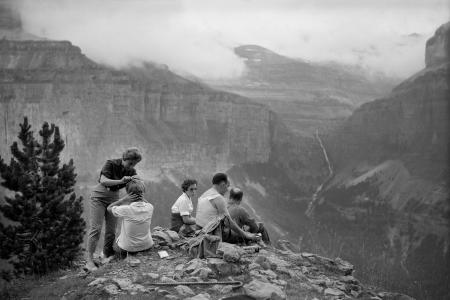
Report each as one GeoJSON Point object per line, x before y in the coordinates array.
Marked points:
{"type": "Point", "coordinates": [184, 207]}
{"type": "Point", "coordinates": [121, 211]}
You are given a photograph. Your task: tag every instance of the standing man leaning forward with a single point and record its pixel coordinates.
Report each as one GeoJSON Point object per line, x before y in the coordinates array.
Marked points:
{"type": "Point", "coordinates": [115, 174]}
{"type": "Point", "coordinates": [212, 204]}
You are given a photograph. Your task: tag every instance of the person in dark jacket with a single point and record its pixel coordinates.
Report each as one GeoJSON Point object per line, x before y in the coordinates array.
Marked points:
{"type": "Point", "coordinates": [115, 174]}
{"type": "Point", "coordinates": [243, 218]}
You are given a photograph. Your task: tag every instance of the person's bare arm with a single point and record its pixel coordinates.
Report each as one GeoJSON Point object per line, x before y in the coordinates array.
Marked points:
{"type": "Point", "coordinates": [222, 209]}
{"type": "Point", "coordinates": [125, 200]}
{"type": "Point", "coordinates": [111, 182]}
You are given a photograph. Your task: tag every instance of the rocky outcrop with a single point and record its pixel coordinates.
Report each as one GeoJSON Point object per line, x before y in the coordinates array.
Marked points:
{"type": "Point", "coordinates": [267, 274]}
{"type": "Point", "coordinates": [437, 50]}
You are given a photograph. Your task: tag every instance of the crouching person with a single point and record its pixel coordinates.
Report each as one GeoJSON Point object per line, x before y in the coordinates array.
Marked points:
{"type": "Point", "coordinates": [243, 218]}
{"type": "Point", "coordinates": [136, 217]}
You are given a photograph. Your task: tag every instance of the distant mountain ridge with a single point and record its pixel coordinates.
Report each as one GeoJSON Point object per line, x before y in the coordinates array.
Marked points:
{"type": "Point", "coordinates": [306, 95]}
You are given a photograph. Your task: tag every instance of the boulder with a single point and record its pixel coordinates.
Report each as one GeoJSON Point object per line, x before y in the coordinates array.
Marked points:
{"type": "Point", "coordinates": [193, 265]}
{"type": "Point", "coordinates": [230, 252]}
{"type": "Point", "coordinates": [98, 281]}
{"type": "Point", "coordinates": [166, 279]}
{"type": "Point", "coordinates": [111, 289]}
{"type": "Point", "coordinates": [262, 290]}
{"type": "Point", "coordinates": [203, 272]}
{"type": "Point", "coordinates": [256, 275]}
{"type": "Point", "coordinates": [123, 283]}
{"type": "Point", "coordinates": [184, 291]}
{"type": "Point", "coordinates": [223, 268]}
{"type": "Point", "coordinates": [203, 296]}
{"type": "Point", "coordinates": [262, 261]}
{"type": "Point", "coordinates": [333, 292]}
{"type": "Point", "coordinates": [152, 276]}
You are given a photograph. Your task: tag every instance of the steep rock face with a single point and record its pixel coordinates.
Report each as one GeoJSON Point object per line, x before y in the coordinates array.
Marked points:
{"type": "Point", "coordinates": [437, 50]}
{"type": "Point", "coordinates": [391, 160]}
{"type": "Point", "coordinates": [411, 124]}
{"type": "Point", "coordinates": [177, 123]}
{"type": "Point", "coordinates": [102, 110]}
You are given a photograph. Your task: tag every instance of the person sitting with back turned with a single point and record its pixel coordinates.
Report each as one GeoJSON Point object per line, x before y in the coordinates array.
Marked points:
{"type": "Point", "coordinates": [242, 217]}
{"type": "Point", "coordinates": [212, 204]}
{"type": "Point", "coordinates": [135, 235]}
{"type": "Point", "coordinates": [182, 220]}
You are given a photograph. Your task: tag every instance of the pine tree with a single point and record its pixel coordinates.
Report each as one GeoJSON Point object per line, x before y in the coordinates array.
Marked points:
{"type": "Point", "coordinates": [46, 227]}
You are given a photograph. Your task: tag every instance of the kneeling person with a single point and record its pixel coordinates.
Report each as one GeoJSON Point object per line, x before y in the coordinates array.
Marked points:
{"type": "Point", "coordinates": [136, 214]}
{"type": "Point", "coordinates": [242, 217]}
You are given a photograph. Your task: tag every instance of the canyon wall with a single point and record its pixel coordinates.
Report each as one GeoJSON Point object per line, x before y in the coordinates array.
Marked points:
{"type": "Point", "coordinates": [178, 124]}
{"type": "Point", "coordinates": [388, 201]}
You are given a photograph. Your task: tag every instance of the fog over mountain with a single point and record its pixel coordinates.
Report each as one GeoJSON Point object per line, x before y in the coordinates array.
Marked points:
{"type": "Point", "coordinates": [337, 161]}
{"type": "Point", "coordinates": [385, 36]}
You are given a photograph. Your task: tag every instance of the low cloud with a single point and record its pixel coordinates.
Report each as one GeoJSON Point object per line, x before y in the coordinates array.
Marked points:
{"type": "Point", "coordinates": [198, 36]}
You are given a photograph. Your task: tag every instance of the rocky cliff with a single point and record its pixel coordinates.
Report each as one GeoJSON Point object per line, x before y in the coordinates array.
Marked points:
{"type": "Point", "coordinates": [178, 124]}
{"type": "Point", "coordinates": [391, 160]}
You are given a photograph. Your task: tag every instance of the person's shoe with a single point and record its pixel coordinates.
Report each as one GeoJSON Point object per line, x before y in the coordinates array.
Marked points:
{"type": "Point", "coordinates": [90, 266]}
{"type": "Point", "coordinates": [105, 259]}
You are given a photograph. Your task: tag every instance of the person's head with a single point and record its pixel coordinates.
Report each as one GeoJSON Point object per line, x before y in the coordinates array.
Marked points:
{"type": "Point", "coordinates": [131, 157]}
{"type": "Point", "coordinates": [236, 195]}
{"type": "Point", "coordinates": [189, 186]}
{"type": "Point", "coordinates": [135, 187]}
{"type": "Point", "coordinates": [220, 181]}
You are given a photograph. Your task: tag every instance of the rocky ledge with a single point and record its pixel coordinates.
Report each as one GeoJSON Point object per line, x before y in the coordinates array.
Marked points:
{"type": "Point", "coordinates": [269, 273]}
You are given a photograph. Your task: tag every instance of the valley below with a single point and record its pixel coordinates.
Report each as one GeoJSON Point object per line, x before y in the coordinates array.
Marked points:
{"type": "Point", "coordinates": [337, 162]}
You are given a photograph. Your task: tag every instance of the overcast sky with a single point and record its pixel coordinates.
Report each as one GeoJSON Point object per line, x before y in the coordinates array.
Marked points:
{"type": "Point", "coordinates": [198, 36]}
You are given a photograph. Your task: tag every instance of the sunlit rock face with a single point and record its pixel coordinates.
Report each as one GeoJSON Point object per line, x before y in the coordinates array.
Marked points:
{"type": "Point", "coordinates": [178, 124]}
{"type": "Point", "coordinates": [391, 160]}
{"type": "Point", "coordinates": [437, 50]}
{"type": "Point", "coordinates": [102, 111]}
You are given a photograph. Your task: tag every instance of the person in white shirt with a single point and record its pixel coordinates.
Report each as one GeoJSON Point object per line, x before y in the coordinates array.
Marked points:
{"type": "Point", "coordinates": [182, 208]}
{"type": "Point", "coordinates": [136, 217]}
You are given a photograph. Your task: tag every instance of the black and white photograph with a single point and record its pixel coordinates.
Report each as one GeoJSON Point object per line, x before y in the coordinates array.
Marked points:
{"type": "Point", "coordinates": [225, 149]}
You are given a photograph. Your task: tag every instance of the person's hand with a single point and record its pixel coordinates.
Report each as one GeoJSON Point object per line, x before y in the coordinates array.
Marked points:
{"type": "Point", "coordinates": [136, 177]}
{"type": "Point", "coordinates": [251, 236]}
{"type": "Point", "coordinates": [125, 179]}
{"type": "Point", "coordinates": [129, 198]}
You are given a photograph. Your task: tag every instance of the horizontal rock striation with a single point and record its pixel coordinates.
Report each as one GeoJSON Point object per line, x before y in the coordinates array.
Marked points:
{"type": "Point", "coordinates": [179, 125]}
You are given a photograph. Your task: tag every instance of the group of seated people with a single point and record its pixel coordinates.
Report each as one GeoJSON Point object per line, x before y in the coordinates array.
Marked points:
{"type": "Point", "coordinates": [135, 212]}
{"type": "Point", "coordinates": [211, 204]}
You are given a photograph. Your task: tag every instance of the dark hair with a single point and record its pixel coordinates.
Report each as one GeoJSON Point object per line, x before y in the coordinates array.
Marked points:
{"type": "Point", "coordinates": [187, 183]}
{"type": "Point", "coordinates": [236, 194]}
{"type": "Point", "coordinates": [132, 154]}
{"type": "Point", "coordinates": [219, 177]}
